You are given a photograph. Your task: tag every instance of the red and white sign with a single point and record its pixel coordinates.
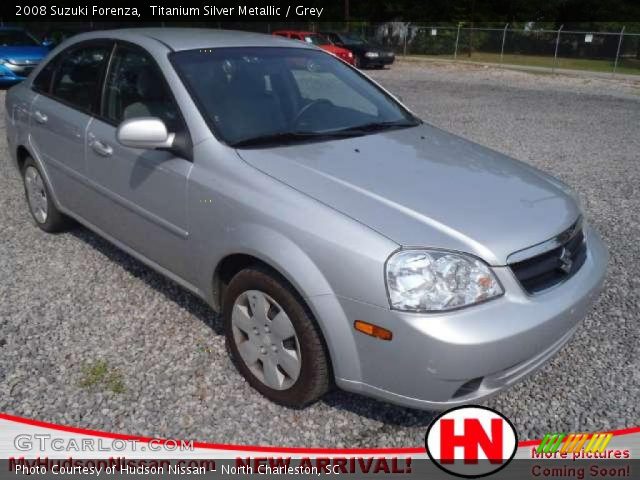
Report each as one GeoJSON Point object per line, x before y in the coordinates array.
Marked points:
{"type": "Point", "coordinates": [471, 441]}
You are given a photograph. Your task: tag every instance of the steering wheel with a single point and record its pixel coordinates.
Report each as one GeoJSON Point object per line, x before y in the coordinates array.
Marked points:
{"type": "Point", "coordinates": [309, 106]}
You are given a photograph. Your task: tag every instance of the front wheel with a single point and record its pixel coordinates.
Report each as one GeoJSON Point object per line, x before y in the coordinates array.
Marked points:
{"type": "Point", "coordinates": [273, 339]}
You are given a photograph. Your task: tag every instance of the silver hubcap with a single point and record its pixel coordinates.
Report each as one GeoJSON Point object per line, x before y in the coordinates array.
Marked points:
{"type": "Point", "coordinates": [266, 339]}
{"type": "Point", "coordinates": [36, 194]}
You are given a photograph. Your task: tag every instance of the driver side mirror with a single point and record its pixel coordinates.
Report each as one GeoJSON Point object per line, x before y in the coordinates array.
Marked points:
{"type": "Point", "coordinates": [144, 132]}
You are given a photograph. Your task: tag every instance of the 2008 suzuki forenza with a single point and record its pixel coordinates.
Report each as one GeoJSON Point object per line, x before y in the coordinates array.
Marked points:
{"type": "Point", "coordinates": [343, 240]}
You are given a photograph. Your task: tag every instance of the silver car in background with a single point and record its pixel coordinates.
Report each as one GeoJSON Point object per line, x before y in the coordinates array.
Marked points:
{"type": "Point", "coordinates": [344, 241]}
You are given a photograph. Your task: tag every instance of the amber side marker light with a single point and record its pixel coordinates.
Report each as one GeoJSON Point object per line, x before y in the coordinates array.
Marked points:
{"type": "Point", "coordinates": [372, 330]}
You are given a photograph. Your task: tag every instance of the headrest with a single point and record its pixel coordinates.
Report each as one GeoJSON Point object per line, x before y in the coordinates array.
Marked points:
{"type": "Point", "coordinates": [148, 85]}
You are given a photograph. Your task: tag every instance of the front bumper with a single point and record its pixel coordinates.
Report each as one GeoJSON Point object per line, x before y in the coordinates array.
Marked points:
{"type": "Point", "coordinates": [437, 361]}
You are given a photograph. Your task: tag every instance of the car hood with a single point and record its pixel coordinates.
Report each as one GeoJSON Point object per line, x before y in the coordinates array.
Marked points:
{"type": "Point", "coordinates": [20, 54]}
{"type": "Point", "coordinates": [422, 186]}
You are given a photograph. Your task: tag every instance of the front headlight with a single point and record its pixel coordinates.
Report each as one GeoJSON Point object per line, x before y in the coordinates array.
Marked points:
{"type": "Point", "coordinates": [371, 54]}
{"type": "Point", "coordinates": [434, 280]}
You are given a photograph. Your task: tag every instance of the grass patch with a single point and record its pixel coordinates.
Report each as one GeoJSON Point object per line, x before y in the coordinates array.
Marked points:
{"type": "Point", "coordinates": [99, 374]}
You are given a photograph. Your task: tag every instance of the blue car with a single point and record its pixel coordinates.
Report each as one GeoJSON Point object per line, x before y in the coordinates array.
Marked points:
{"type": "Point", "coordinates": [20, 53]}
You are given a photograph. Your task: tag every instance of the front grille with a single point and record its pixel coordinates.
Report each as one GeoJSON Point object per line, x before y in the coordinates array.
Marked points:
{"type": "Point", "coordinates": [552, 267]}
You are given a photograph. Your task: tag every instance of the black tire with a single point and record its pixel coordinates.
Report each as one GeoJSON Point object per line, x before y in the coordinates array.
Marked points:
{"type": "Point", "coordinates": [315, 376]}
{"type": "Point", "coordinates": [357, 62]}
{"type": "Point", "coordinates": [55, 220]}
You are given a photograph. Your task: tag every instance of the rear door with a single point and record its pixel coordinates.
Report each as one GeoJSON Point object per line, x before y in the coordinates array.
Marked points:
{"type": "Point", "coordinates": [69, 89]}
{"type": "Point", "coordinates": [141, 198]}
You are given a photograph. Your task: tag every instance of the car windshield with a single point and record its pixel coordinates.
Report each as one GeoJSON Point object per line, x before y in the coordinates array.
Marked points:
{"type": "Point", "coordinates": [16, 38]}
{"type": "Point", "coordinates": [258, 96]}
{"type": "Point", "coordinates": [317, 39]}
{"type": "Point", "coordinates": [351, 39]}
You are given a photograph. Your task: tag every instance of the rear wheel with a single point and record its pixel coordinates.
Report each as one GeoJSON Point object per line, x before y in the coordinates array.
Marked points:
{"type": "Point", "coordinates": [273, 340]}
{"type": "Point", "coordinates": [41, 206]}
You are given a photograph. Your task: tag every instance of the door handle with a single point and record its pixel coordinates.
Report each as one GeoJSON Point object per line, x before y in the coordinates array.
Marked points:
{"type": "Point", "coordinates": [40, 117]}
{"type": "Point", "coordinates": [101, 148]}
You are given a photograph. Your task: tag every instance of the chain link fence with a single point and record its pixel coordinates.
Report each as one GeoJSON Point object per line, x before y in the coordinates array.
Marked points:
{"type": "Point", "coordinates": [612, 52]}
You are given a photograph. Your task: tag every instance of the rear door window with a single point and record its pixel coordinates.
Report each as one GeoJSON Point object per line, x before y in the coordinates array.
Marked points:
{"type": "Point", "coordinates": [78, 76]}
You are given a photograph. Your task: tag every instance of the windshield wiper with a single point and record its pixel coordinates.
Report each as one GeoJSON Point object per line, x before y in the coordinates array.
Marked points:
{"type": "Point", "coordinates": [377, 126]}
{"type": "Point", "coordinates": [298, 136]}
{"type": "Point", "coordinates": [288, 137]}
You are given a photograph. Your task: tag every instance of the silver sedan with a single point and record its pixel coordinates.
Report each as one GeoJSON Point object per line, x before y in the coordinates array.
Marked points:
{"type": "Point", "coordinates": [344, 241]}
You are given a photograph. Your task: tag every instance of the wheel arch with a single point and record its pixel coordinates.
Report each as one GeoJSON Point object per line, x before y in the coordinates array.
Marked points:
{"type": "Point", "coordinates": [21, 156]}
{"type": "Point", "coordinates": [22, 153]}
{"type": "Point", "coordinates": [291, 263]}
{"type": "Point", "coordinates": [234, 263]}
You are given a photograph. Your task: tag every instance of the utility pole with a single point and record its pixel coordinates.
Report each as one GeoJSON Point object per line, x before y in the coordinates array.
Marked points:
{"type": "Point", "coordinates": [504, 37]}
{"type": "Point", "coordinates": [455, 51]}
{"type": "Point", "coordinates": [615, 64]}
{"type": "Point", "coordinates": [555, 55]}
{"type": "Point", "coordinates": [406, 34]}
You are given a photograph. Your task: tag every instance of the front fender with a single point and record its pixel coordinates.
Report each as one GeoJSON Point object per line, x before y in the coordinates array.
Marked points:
{"type": "Point", "coordinates": [293, 263]}
{"type": "Point", "coordinates": [278, 251]}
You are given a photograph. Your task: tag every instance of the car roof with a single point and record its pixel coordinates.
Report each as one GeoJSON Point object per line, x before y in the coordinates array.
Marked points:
{"type": "Point", "coordinates": [193, 38]}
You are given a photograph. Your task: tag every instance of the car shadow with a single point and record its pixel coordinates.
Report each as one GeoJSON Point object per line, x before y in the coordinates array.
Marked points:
{"type": "Point", "coordinates": [378, 410]}
{"type": "Point", "coordinates": [171, 290]}
{"type": "Point", "coordinates": [363, 406]}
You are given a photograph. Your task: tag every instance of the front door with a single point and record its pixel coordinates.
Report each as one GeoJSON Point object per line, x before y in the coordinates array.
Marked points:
{"type": "Point", "coordinates": [141, 197]}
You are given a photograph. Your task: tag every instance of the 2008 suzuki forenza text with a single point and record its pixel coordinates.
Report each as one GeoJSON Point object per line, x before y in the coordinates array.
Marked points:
{"type": "Point", "coordinates": [344, 241]}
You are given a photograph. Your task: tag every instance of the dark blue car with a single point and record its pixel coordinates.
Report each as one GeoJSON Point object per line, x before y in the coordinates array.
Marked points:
{"type": "Point", "coordinates": [20, 53]}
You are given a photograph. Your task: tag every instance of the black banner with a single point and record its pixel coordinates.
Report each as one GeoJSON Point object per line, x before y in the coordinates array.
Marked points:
{"type": "Point", "coordinates": [320, 11]}
{"type": "Point", "coordinates": [274, 467]}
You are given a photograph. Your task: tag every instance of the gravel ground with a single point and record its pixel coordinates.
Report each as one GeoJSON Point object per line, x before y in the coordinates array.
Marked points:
{"type": "Point", "coordinates": [91, 337]}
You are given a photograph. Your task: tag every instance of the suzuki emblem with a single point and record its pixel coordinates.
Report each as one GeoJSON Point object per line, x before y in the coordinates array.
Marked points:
{"type": "Point", "coordinates": [566, 262]}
